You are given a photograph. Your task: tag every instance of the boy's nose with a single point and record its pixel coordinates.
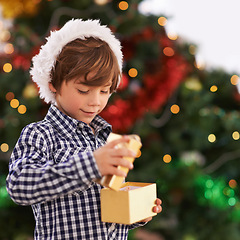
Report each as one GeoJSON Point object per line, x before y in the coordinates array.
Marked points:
{"type": "Point", "coordinates": [94, 100]}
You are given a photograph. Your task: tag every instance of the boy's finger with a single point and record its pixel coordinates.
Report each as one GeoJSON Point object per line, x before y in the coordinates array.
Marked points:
{"type": "Point", "coordinates": [123, 163]}
{"type": "Point", "coordinates": [157, 209]}
{"type": "Point", "coordinates": [123, 139]}
{"type": "Point", "coordinates": [117, 172]}
{"type": "Point", "coordinates": [123, 152]}
{"type": "Point", "coordinates": [158, 201]}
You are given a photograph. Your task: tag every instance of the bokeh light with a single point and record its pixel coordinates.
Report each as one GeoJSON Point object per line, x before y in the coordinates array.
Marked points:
{"type": "Point", "coordinates": [213, 88]}
{"type": "Point", "coordinates": [162, 21]}
{"type": "Point", "coordinates": [167, 158]}
{"type": "Point", "coordinates": [4, 147]}
{"type": "Point", "coordinates": [14, 103]}
{"type": "Point", "coordinates": [168, 51]}
{"type": "Point", "coordinates": [9, 96]}
{"type": "Point", "coordinates": [236, 135]}
{"type": "Point", "coordinates": [133, 72]}
{"type": "Point", "coordinates": [22, 109]}
{"type": "Point", "coordinates": [175, 109]}
{"type": "Point", "coordinates": [234, 80]}
{"type": "Point", "coordinates": [123, 5]}
{"type": "Point", "coordinates": [7, 67]}
{"type": "Point", "coordinates": [211, 138]}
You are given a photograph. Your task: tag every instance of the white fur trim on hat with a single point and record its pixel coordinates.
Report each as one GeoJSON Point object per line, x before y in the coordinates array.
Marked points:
{"type": "Point", "coordinates": [44, 62]}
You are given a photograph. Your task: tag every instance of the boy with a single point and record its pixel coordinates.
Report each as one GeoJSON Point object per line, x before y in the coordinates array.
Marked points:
{"type": "Point", "coordinates": [55, 161]}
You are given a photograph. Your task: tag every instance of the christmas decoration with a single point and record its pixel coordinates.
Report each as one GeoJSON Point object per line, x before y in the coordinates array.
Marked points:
{"type": "Point", "coordinates": [17, 8]}
{"type": "Point", "coordinates": [187, 117]}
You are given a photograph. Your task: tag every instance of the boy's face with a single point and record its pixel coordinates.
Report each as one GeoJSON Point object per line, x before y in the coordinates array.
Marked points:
{"type": "Point", "coordinates": [80, 101]}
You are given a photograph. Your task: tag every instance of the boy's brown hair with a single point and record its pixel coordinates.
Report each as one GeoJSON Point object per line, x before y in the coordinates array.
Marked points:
{"type": "Point", "coordinates": [81, 57]}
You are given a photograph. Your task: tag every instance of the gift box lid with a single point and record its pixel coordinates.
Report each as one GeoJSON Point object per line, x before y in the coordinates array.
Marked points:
{"type": "Point", "coordinates": [112, 181]}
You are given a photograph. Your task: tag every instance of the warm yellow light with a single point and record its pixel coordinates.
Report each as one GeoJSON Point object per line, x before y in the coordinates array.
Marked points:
{"type": "Point", "coordinates": [22, 109]}
{"type": "Point", "coordinates": [162, 21]}
{"type": "Point", "coordinates": [7, 67]}
{"type": "Point", "coordinates": [232, 183]}
{"type": "Point", "coordinates": [4, 147]}
{"type": "Point", "coordinates": [168, 51]}
{"type": "Point", "coordinates": [123, 5]}
{"type": "Point", "coordinates": [236, 135]}
{"type": "Point", "coordinates": [172, 36]}
{"type": "Point", "coordinates": [9, 96]}
{"type": "Point", "coordinates": [133, 72]}
{"type": "Point", "coordinates": [234, 80]}
{"type": "Point", "coordinates": [167, 158]}
{"type": "Point", "coordinates": [213, 88]}
{"type": "Point", "coordinates": [101, 2]}
{"type": "Point", "coordinates": [5, 35]}
{"type": "Point", "coordinates": [14, 103]}
{"type": "Point", "coordinates": [175, 109]}
{"type": "Point", "coordinates": [8, 48]}
{"type": "Point", "coordinates": [211, 138]}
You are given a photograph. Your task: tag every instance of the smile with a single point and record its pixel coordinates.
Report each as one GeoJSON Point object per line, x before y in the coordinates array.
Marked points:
{"type": "Point", "coordinates": [89, 113]}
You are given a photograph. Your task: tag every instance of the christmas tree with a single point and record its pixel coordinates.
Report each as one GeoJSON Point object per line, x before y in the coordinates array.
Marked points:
{"type": "Point", "coordinates": [186, 116]}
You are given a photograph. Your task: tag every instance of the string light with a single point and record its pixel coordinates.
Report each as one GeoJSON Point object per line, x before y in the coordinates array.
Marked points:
{"type": "Point", "coordinates": [7, 67]}
{"type": "Point", "coordinates": [232, 183]}
{"type": "Point", "coordinates": [8, 48]}
{"type": "Point", "coordinates": [123, 5]}
{"type": "Point", "coordinates": [232, 201]}
{"type": "Point", "coordinates": [5, 35]}
{"type": "Point", "coordinates": [9, 96]}
{"type": "Point", "coordinates": [236, 135]}
{"type": "Point", "coordinates": [162, 21]}
{"type": "Point", "coordinates": [209, 183]}
{"type": "Point", "coordinates": [175, 109]}
{"type": "Point", "coordinates": [133, 72]}
{"type": "Point", "coordinates": [172, 36]}
{"type": "Point", "coordinates": [234, 80]}
{"type": "Point", "coordinates": [213, 88]}
{"type": "Point", "coordinates": [168, 51]}
{"type": "Point", "coordinates": [101, 2]}
{"type": "Point", "coordinates": [14, 103]}
{"type": "Point", "coordinates": [4, 147]}
{"type": "Point", "coordinates": [167, 158]}
{"type": "Point", "coordinates": [22, 109]}
{"type": "Point", "coordinates": [211, 138]}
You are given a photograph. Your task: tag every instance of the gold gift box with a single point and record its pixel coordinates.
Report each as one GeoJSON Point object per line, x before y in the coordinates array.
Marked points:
{"type": "Point", "coordinates": [112, 181]}
{"type": "Point", "coordinates": [132, 203]}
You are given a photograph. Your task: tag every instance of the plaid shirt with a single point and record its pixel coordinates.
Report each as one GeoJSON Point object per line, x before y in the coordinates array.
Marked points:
{"type": "Point", "coordinates": [52, 168]}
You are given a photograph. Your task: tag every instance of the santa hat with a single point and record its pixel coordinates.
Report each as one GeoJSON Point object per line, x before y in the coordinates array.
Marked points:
{"type": "Point", "coordinates": [45, 61]}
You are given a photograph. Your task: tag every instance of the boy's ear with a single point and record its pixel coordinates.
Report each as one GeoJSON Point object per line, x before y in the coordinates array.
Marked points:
{"type": "Point", "coordinates": [52, 88]}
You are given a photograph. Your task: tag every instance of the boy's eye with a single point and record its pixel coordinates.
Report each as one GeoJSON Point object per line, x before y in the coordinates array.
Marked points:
{"type": "Point", "coordinates": [105, 91]}
{"type": "Point", "coordinates": [82, 92]}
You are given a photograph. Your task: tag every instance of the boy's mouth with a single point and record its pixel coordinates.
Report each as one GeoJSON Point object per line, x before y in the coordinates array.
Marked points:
{"type": "Point", "coordinates": [89, 113]}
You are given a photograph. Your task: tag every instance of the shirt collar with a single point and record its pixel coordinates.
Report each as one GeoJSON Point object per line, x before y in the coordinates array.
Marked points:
{"type": "Point", "coordinates": [69, 125]}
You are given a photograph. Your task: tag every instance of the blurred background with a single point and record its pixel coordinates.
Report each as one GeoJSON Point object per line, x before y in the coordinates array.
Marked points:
{"type": "Point", "coordinates": [183, 104]}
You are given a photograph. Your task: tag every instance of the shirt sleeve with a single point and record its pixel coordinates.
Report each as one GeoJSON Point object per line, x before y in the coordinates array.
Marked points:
{"type": "Point", "coordinates": [34, 177]}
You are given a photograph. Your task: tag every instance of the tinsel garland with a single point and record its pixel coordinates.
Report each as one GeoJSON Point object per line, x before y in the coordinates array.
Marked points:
{"type": "Point", "coordinates": [157, 85]}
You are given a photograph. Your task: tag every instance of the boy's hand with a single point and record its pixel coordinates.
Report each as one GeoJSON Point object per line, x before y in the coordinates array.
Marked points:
{"type": "Point", "coordinates": [109, 157]}
{"type": "Point", "coordinates": [156, 209]}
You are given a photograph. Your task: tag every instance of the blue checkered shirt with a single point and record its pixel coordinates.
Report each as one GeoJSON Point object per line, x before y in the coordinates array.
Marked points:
{"type": "Point", "coordinates": [52, 168]}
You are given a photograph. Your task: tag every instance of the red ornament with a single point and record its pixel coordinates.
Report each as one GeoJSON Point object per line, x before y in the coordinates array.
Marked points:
{"type": "Point", "coordinates": [124, 83]}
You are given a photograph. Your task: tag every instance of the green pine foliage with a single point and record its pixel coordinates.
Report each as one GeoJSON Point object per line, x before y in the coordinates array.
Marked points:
{"type": "Point", "coordinates": [192, 154]}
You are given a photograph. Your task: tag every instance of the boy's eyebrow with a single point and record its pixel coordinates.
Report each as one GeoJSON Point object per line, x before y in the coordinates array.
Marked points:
{"type": "Point", "coordinates": [108, 84]}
